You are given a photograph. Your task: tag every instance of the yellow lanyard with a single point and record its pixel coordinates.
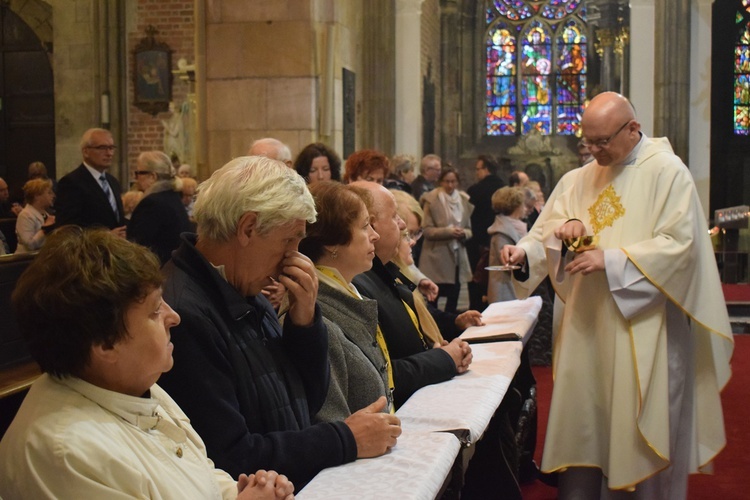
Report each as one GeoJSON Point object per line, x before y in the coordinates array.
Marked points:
{"type": "Point", "coordinates": [414, 320]}
{"type": "Point", "coordinates": [378, 333]}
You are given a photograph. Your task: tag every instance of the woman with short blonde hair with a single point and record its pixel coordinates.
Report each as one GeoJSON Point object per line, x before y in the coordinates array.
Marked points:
{"type": "Point", "coordinates": [509, 204]}
{"type": "Point", "coordinates": [33, 221]}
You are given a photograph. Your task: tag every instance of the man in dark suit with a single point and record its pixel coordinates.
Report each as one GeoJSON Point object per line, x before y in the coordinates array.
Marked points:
{"type": "Point", "coordinates": [480, 195]}
{"type": "Point", "coordinates": [88, 196]}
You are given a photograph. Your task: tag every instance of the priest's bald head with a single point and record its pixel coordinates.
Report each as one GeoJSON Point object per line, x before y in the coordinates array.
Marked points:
{"type": "Point", "coordinates": [610, 129]}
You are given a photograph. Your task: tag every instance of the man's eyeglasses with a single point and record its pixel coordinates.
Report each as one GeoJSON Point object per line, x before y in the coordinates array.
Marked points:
{"type": "Point", "coordinates": [603, 143]}
{"type": "Point", "coordinates": [103, 147]}
{"type": "Point", "coordinates": [141, 172]}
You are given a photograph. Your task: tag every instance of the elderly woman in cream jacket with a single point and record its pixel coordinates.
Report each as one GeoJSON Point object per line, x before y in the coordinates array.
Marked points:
{"type": "Point", "coordinates": [96, 424]}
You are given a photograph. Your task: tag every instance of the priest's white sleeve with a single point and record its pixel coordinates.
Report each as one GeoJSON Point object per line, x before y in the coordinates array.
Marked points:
{"type": "Point", "coordinates": [632, 291]}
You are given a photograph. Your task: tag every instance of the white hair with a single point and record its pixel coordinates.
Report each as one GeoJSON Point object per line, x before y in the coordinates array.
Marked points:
{"type": "Point", "coordinates": [86, 137]}
{"type": "Point", "coordinates": [251, 184]}
{"type": "Point", "coordinates": [271, 148]}
{"type": "Point", "coordinates": [157, 162]}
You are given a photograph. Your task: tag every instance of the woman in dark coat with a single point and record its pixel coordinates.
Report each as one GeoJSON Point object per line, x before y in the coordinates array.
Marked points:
{"type": "Point", "coordinates": [160, 216]}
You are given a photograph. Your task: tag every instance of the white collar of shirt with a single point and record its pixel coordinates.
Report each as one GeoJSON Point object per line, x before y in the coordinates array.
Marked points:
{"type": "Point", "coordinates": [144, 412]}
{"type": "Point", "coordinates": [93, 171]}
{"type": "Point", "coordinates": [630, 159]}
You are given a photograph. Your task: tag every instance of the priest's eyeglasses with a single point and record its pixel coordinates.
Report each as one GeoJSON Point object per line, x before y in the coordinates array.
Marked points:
{"type": "Point", "coordinates": [603, 143]}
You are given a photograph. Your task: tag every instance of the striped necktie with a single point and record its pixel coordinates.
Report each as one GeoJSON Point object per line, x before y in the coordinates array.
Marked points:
{"type": "Point", "coordinates": [108, 192]}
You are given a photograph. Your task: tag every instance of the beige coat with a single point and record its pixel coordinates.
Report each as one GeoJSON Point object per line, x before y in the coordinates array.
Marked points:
{"type": "Point", "coordinates": [438, 260]}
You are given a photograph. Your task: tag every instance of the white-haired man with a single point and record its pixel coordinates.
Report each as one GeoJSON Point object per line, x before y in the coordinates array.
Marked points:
{"type": "Point", "coordinates": [248, 385]}
{"type": "Point", "coordinates": [89, 196]}
{"type": "Point", "coordinates": [276, 150]}
{"type": "Point", "coordinates": [271, 148]}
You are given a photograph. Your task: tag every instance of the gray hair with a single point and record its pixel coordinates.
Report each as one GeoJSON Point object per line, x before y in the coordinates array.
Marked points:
{"type": "Point", "coordinates": [160, 164]}
{"type": "Point", "coordinates": [86, 137]}
{"type": "Point", "coordinates": [429, 159]}
{"type": "Point", "coordinates": [157, 162]}
{"type": "Point", "coordinates": [271, 148]}
{"type": "Point", "coordinates": [403, 164]}
{"type": "Point", "coordinates": [251, 184]}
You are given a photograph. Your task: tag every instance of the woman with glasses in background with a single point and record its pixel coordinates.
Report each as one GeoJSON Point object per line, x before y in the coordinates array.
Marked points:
{"type": "Point", "coordinates": [160, 217]}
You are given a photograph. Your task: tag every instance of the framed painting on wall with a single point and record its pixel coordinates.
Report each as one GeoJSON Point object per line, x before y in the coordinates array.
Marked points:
{"type": "Point", "coordinates": [152, 74]}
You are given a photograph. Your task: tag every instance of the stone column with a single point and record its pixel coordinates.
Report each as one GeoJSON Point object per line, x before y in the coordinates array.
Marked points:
{"type": "Point", "coordinates": [641, 65]}
{"type": "Point", "coordinates": [408, 78]}
{"type": "Point", "coordinates": [672, 74]}
{"type": "Point", "coordinates": [699, 156]}
{"type": "Point", "coordinates": [450, 79]}
{"type": "Point", "coordinates": [378, 77]}
{"type": "Point", "coordinates": [611, 39]}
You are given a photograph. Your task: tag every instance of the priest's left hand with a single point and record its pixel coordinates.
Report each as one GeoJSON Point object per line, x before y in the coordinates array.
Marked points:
{"type": "Point", "coordinates": [587, 262]}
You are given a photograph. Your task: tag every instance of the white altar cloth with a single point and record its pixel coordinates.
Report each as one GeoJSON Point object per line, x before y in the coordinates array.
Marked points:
{"type": "Point", "coordinates": [415, 469]}
{"type": "Point", "coordinates": [468, 401]}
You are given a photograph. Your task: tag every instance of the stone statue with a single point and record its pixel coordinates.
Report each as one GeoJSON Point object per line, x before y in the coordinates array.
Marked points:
{"type": "Point", "coordinates": [174, 133]}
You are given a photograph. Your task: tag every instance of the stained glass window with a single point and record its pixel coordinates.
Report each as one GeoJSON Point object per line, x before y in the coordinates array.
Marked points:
{"type": "Point", "coordinates": [501, 81]}
{"type": "Point", "coordinates": [571, 77]}
{"type": "Point", "coordinates": [742, 71]}
{"type": "Point", "coordinates": [536, 66]}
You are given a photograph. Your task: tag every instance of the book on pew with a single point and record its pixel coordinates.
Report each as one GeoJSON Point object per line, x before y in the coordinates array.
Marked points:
{"type": "Point", "coordinates": [511, 320]}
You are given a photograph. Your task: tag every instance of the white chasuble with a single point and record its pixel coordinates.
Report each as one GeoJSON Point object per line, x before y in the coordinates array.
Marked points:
{"type": "Point", "coordinates": [610, 403]}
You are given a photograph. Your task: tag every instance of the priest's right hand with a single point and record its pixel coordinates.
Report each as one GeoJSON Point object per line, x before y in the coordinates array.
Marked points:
{"type": "Point", "coordinates": [511, 254]}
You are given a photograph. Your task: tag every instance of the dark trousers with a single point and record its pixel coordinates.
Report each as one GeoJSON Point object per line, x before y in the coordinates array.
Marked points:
{"type": "Point", "coordinates": [450, 291]}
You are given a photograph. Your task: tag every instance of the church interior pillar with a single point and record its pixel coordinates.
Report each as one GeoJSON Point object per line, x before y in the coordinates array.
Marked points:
{"type": "Point", "coordinates": [672, 74]}
{"type": "Point", "coordinates": [699, 159]}
{"type": "Point", "coordinates": [642, 68]}
{"type": "Point", "coordinates": [378, 77]}
{"type": "Point", "coordinates": [408, 78]}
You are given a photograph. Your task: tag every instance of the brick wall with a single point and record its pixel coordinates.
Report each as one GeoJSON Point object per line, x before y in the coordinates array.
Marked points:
{"type": "Point", "coordinates": [175, 22]}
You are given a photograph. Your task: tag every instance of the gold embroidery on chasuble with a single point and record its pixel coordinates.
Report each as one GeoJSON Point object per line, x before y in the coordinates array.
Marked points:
{"type": "Point", "coordinates": [605, 210]}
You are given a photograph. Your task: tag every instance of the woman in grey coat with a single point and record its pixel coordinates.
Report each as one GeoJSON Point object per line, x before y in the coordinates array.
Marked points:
{"type": "Point", "coordinates": [508, 228]}
{"type": "Point", "coordinates": [341, 244]}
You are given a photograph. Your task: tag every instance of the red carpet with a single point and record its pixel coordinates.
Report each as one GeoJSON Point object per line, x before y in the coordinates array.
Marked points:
{"type": "Point", "coordinates": [736, 292]}
{"type": "Point", "coordinates": [731, 477]}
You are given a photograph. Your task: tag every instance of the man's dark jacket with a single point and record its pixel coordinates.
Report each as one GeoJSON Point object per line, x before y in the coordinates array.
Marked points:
{"type": "Point", "coordinates": [480, 195]}
{"type": "Point", "coordinates": [81, 201]}
{"type": "Point", "coordinates": [415, 363]}
{"type": "Point", "coordinates": [420, 186]}
{"type": "Point", "coordinates": [248, 389]}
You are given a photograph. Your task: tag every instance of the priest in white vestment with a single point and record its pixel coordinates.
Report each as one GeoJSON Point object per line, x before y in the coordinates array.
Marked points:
{"type": "Point", "coordinates": [645, 342]}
